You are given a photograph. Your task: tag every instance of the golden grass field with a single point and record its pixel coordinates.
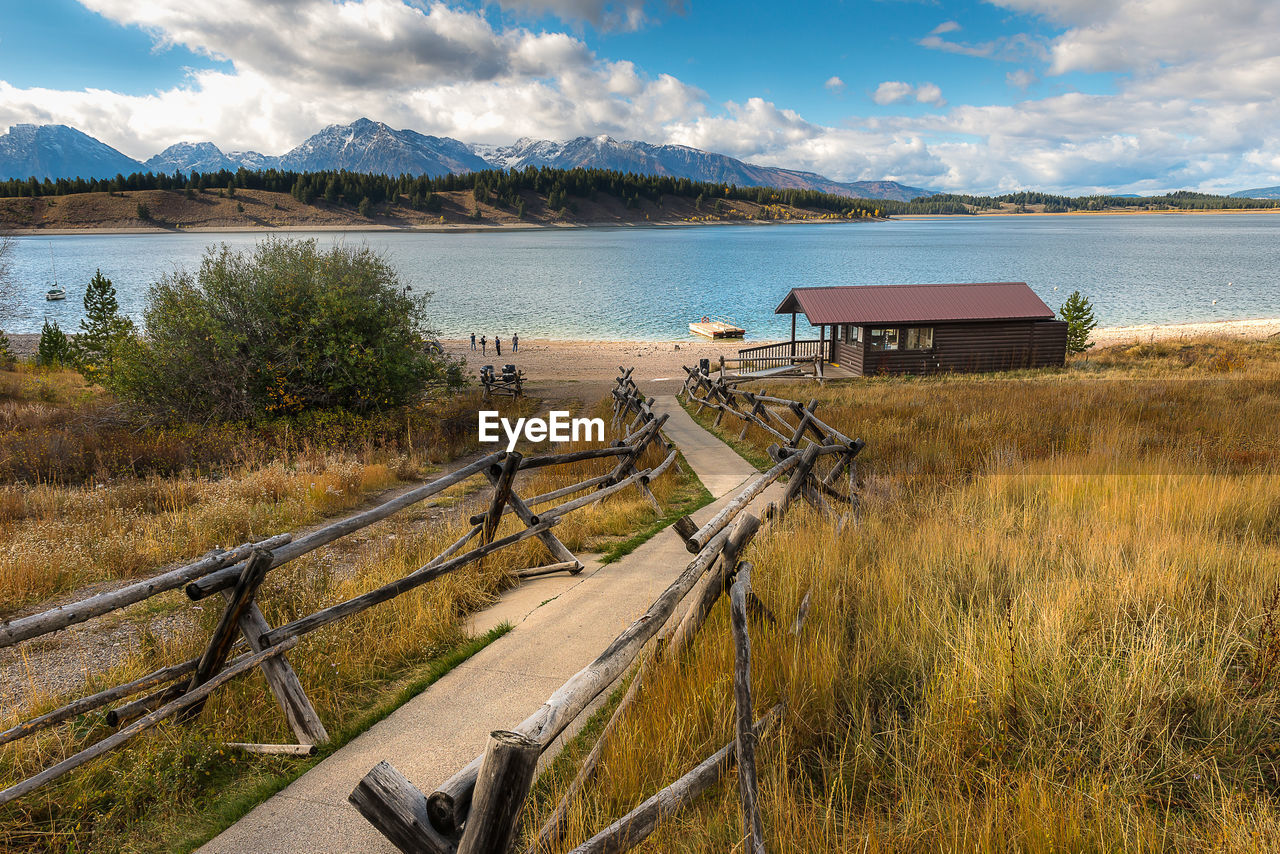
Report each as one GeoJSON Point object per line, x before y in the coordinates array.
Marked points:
{"type": "Point", "coordinates": [1054, 626]}
{"type": "Point", "coordinates": [175, 785]}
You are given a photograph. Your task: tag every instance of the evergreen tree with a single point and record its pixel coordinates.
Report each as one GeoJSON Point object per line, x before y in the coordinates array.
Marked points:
{"type": "Point", "coordinates": [7, 359]}
{"type": "Point", "coordinates": [1077, 311]}
{"type": "Point", "coordinates": [54, 348]}
{"type": "Point", "coordinates": [101, 330]}
{"type": "Point", "coordinates": [365, 208]}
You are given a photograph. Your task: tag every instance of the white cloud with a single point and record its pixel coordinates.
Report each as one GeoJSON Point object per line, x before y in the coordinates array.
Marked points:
{"type": "Point", "coordinates": [603, 14]}
{"type": "Point", "coordinates": [929, 93]}
{"type": "Point", "coordinates": [944, 27]}
{"type": "Point", "coordinates": [432, 68]}
{"type": "Point", "coordinates": [1194, 106]}
{"type": "Point", "coordinates": [1022, 78]}
{"type": "Point", "coordinates": [835, 84]}
{"type": "Point", "coordinates": [892, 91]}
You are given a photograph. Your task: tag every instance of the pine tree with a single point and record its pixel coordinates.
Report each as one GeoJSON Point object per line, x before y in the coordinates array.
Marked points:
{"type": "Point", "coordinates": [365, 208]}
{"type": "Point", "coordinates": [102, 328]}
{"type": "Point", "coordinates": [7, 358]}
{"type": "Point", "coordinates": [1077, 311]}
{"type": "Point", "coordinates": [54, 348]}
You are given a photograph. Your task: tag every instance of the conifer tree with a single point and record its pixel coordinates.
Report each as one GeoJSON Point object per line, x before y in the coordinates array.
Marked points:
{"type": "Point", "coordinates": [54, 348]}
{"type": "Point", "coordinates": [1077, 311]}
{"type": "Point", "coordinates": [101, 329]}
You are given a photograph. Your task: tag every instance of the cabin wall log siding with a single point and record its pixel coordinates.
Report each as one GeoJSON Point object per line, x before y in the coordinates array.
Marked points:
{"type": "Point", "coordinates": [975, 347]}
{"type": "Point", "coordinates": [847, 356]}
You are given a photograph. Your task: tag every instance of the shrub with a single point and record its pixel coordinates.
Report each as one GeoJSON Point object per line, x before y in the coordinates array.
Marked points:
{"type": "Point", "coordinates": [282, 329]}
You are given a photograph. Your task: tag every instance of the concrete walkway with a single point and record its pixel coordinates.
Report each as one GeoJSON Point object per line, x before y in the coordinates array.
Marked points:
{"type": "Point", "coordinates": [561, 624]}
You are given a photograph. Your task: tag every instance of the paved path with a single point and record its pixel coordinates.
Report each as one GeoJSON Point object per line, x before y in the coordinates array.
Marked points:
{"type": "Point", "coordinates": [444, 727]}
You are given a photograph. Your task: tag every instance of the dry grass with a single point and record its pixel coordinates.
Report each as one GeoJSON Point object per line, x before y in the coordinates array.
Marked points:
{"type": "Point", "coordinates": [1054, 627]}
{"type": "Point", "coordinates": [135, 799]}
{"type": "Point", "coordinates": [102, 499]}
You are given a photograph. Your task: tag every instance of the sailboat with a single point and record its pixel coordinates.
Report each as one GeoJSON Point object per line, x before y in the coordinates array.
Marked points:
{"type": "Point", "coordinates": [56, 292]}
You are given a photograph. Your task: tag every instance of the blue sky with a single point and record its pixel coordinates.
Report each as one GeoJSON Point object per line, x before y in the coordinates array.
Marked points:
{"type": "Point", "coordinates": [971, 95]}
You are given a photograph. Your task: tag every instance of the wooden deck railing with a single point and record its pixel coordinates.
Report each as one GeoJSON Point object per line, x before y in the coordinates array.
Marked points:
{"type": "Point", "coordinates": [777, 355]}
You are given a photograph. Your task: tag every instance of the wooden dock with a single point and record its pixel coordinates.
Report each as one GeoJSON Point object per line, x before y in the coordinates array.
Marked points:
{"type": "Point", "coordinates": [714, 329]}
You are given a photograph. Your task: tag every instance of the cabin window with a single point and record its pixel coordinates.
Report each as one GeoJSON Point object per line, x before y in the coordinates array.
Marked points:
{"type": "Point", "coordinates": [919, 338]}
{"type": "Point", "coordinates": [850, 333]}
{"type": "Point", "coordinates": [883, 339]}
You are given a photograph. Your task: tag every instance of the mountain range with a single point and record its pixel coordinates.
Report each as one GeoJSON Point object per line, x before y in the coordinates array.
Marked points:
{"type": "Point", "coordinates": [1260, 193]}
{"type": "Point", "coordinates": [59, 151]}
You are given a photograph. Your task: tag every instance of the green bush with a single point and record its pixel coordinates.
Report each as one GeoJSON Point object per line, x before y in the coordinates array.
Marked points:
{"type": "Point", "coordinates": [279, 330]}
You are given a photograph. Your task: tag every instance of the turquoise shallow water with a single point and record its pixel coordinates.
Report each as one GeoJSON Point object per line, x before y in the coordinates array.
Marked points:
{"type": "Point", "coordinates": [649, 283]}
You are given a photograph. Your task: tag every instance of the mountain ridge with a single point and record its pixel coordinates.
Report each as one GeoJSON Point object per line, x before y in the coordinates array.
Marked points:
{"type": "Point", "coordinates": [369, 146]}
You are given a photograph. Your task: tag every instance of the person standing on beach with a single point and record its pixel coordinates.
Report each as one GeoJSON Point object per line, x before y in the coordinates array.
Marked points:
{"type": "Point", "coordinates": [515, 342]}
{"type": "Point", "coordinates": [473, 340]}
{"type": "Point", "coordinates": [497, 345]}
{"type": "Point", "coordinates": [483, 351]}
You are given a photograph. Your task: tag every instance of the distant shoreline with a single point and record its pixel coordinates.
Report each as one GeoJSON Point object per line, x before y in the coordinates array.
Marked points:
{"type": "Point", "coordinates": [420, 229]}
{"type": "Point", "coordinates": [597, 360]}
{"type": "Point", "coordinates": [503, 227]}
{"type": "Point", "coordinates": [1120, 212]}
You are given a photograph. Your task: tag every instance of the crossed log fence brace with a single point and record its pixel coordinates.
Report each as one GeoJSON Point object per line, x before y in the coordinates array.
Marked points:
{"type": "Point", "coordinates": [478, 808]}
{"type": "Point", "coordinates": [181, 689]}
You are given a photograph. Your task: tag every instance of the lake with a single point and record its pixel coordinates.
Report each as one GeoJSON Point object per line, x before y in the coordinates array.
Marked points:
{"type": "Point", "coordinates": [648, 283]}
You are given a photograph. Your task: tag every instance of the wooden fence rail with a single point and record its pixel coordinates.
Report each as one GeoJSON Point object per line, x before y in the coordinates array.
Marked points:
{"type": "Point", "coordinates": [237, 573]}
{"type": "Point", "coordinates": [477, 809]}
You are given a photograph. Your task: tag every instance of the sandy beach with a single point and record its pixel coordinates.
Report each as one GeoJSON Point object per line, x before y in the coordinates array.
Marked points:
{"type": "Point", "coordinates": [585, 369]}
{"type": "Point", "coordinates": [549, 360]}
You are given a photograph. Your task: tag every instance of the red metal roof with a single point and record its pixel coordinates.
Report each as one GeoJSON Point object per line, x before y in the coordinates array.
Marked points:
{"type": "Point", "coordinates": [865, 304]}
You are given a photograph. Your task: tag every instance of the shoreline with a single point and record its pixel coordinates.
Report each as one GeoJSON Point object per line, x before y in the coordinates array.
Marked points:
{"type": "Point", "coordinates": [503, 227]}
{"type": "Point", "coordinates": [1120, 212]}
{"type": "Point", "coordinates": [424, 229]}
{"type": "Point", "coordinates": [555, 361]}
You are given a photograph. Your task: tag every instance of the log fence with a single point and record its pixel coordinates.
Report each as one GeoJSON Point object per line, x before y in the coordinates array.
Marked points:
{"type": "Point", "coordinates": [180, 690]}
{"type": "Point", "coordinates": [478, 808]}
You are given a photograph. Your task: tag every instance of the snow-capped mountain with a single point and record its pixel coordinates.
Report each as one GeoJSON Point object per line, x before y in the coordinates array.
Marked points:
{"type": "Point", "coordinates": [193, 157]}
{"type": "Point", "coordinates": [58, 151]}
{"type": "Point", "coordinates": [367, 146]}
{"type": "Point", "coordinates": [679, 161]}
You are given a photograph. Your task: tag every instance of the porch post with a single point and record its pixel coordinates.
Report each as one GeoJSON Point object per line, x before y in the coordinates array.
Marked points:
{"type": "Point", "coordinates": [822, 341]}
{"type": "Point", "coordinates": [793, 334]}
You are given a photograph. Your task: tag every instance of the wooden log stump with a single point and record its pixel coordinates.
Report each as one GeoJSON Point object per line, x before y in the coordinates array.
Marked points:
{"type": "Point", "coordinates": [505, 775]}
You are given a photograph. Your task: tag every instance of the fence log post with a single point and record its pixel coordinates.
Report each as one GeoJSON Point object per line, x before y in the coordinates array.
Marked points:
{"type": "Point", "coordinates": [501, 491]}
{"type": "Point", "coordinates": [506, 773]}
{"type": "Point", "coordinates": [283, 682]}
{"type": "Point", "coordinates": [558, 549]}
{"type": "Point", "coordinates": [748, 786]}
{"type": "Point", "coordinates": [800, 475]}
{"type": "Point", "coordinates": [239, 599]}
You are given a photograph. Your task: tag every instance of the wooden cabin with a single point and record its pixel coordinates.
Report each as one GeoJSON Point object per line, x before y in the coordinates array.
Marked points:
{"type": "Point", "coordinates": [926, 329]}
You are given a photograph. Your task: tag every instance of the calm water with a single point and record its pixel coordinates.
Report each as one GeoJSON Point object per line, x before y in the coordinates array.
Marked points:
{"type": "Point", "coordinates": [649, 283]}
